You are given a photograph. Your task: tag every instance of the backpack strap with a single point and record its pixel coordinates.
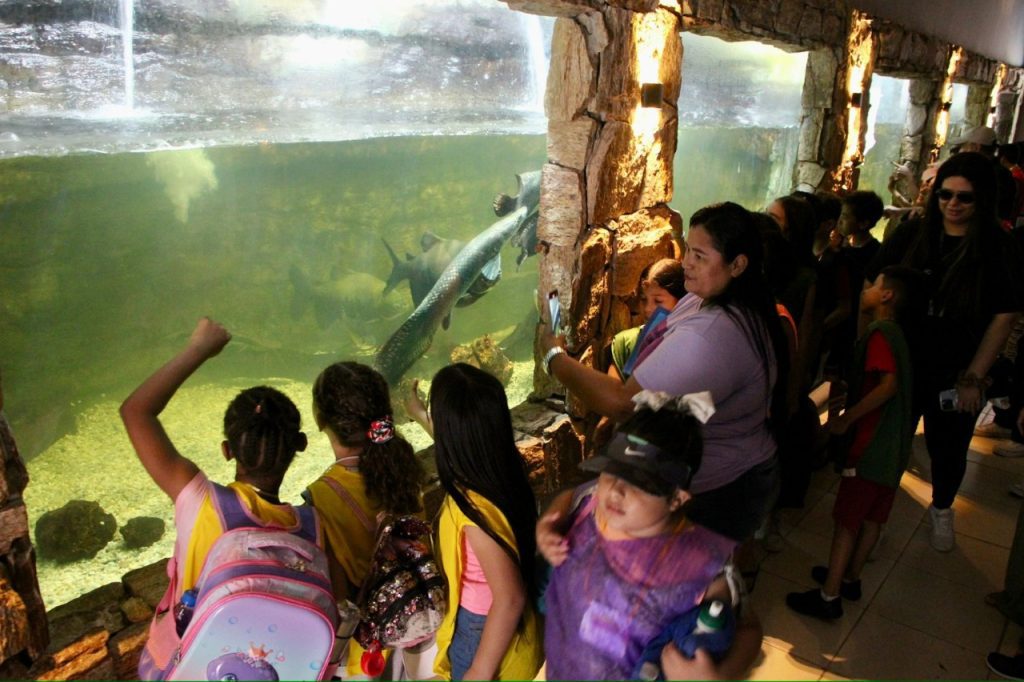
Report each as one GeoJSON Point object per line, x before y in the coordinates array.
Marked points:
{"type": "Point", "coordinates": [233, 514]}
{"type": "Point", "coordinates": [346, 497]}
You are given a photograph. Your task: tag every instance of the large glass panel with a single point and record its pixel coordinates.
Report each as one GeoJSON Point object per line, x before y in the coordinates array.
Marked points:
{"type": "Point", "coordinates": [271, 166]}
{"type": "Point", "coordinates": [890, 101]}
{"type": "Point", "coordinates": [739, 115]}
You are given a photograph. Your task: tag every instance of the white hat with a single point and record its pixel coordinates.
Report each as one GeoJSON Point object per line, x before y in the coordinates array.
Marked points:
{"type": "Point", "coordinates": [982, 135]}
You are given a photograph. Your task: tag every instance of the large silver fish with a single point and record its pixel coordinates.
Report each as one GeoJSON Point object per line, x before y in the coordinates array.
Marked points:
{"type": "Point", "coordinates": [414, 337]}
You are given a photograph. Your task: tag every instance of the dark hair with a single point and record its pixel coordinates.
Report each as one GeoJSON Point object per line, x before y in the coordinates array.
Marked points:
{"type": "Point", "coordinates": [264, 431]}
{"type": "Point", "coordinates": [960, 292]}
{"type": "Point", "coordinates": [1010, 152]}
{"type": "Point", "coordinates": [801, 224]}
{"type": "Point", "coordinates": [675, 432]}
{"type": "Point", "coordinates": [747, 300]}
{"type": "Point", "coordinates": [829, 206]}
{"type": "Point", "coordinates": [668, 274]}
{"type": "Point", "coordinates": [908, 287]}
{"type": "Point", "coordinates": [347, 397]}
{"type": "Point", "coordinates": [475, 449]}
{"type": "Point", "coordinates": [780, 263]}
{"type": "Point", "coordinates": [867, 207]}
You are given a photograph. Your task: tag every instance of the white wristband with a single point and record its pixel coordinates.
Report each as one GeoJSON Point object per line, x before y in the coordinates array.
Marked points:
{"type": "Point", "coordinates": [549, 356]}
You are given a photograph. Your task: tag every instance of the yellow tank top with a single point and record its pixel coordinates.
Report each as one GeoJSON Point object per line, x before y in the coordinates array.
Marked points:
{"type": "Point", "coordinates": [525, 652]}
{"type": "Point", "coordinates": [349, 539]}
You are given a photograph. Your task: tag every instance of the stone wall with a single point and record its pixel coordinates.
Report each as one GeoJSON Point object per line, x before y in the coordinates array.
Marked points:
{"type": "Point", "coordinates": [23, 627]}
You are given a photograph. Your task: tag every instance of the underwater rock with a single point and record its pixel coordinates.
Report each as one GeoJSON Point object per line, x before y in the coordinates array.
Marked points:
{"type": "Point", "coordinates": [485, 354]}
{"type": "Point", "coordinates": [78, 530]}
{"type": "Point", "coordinates": [142, 531]}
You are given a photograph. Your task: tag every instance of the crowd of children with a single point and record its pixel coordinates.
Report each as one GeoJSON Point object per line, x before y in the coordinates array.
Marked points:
{"type": "Point", "coordinates": [630, 587]}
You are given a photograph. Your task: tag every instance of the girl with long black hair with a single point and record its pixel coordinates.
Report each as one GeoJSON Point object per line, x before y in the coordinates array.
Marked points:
{"type": "Point", "coordinates": [485, 534]}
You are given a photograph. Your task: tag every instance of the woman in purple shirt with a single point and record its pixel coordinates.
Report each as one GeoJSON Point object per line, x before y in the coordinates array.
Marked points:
{"type": "Point", "coordinates": [725, 337]}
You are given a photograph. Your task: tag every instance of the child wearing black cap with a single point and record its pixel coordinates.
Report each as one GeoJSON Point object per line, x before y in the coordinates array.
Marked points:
{"type": "Point", "coordinates": [627, 561]}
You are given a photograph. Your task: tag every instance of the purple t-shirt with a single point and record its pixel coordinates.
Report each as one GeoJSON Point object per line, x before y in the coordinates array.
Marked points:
{"type": "Point", "coordinates": [705, 350]}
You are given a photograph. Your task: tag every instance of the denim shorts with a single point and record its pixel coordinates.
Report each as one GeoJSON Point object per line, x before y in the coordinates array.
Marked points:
{"type": "Point", "coordinates": [469, 627]}
{"type": "Point", "coordinates": [737, 509]}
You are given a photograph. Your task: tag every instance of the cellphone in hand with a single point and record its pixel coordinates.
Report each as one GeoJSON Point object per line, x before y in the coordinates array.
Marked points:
{"type": "Point", "coordinates": [555, 310]}
{"type": "Point", "coordinates": [948, 400]}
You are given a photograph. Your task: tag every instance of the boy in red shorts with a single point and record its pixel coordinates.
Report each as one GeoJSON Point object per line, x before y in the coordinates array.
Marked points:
{"type": "Point", "coordinates": [880, 447]}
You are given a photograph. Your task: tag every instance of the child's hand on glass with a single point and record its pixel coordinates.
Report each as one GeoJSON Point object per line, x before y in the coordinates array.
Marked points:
{"type": "Point", "coordinates": [416, 408]}
{"type": "Point", "coordinates": [209, 337]}
{"type": "Point", "coordinates": [551, 542]}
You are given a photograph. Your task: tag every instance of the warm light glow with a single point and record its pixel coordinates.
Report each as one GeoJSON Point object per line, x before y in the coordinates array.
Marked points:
{"type": "Point", "coordinates": [650, 42]}
{"type": "Point", "coordinates": [945, 95]}
{"type": "Point", "coordinates": [859, 65]}
{"type": "Point", "coordinates": [997, 87]}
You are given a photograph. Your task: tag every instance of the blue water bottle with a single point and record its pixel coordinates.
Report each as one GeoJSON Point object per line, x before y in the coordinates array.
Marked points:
{"type": "Point", "coordinates": [183, 611]}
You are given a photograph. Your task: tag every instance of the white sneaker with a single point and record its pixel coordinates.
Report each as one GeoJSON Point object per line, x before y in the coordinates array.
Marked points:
{"type": "Point", "coordinates": [1009, 448]}
{"type": "Point", "coordinates": [992, 430]}
{"type": "Point", "coordinates": [942, 538]}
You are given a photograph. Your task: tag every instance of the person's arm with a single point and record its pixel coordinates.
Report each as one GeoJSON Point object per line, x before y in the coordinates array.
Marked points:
{"type": "Point", "coordinates": [417, 409]}
{"type": "Point", "coordinates": [551, 542]}
{"type": "Point", "coordinates": [600, 392]}
{"type": "Point", "coordinates": [969, 391]}
{"type": "Point", "coordinates": [141, 410]}
{"type": "Point", "coordinates": [746, 645]}
{"type": "Point", "coordinates": [509, 593]}
{"type": "Point", "coordinates": [887, 387]}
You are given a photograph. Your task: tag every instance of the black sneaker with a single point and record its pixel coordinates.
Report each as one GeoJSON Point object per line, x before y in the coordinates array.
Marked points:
{"type": "Point", "coordinates": [847, 590]}
{"type": "Point", "coordinates": [811, 603]}
{"type": "Point", "coordinates": [1010, 667]}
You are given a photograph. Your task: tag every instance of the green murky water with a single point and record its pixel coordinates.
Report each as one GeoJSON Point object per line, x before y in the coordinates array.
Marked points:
{"type": "Point", "coordinates": [106, 262]}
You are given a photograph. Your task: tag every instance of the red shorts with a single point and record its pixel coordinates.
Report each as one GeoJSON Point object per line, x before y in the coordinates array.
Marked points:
{"type": "Point", "coordinates": [861, 500]}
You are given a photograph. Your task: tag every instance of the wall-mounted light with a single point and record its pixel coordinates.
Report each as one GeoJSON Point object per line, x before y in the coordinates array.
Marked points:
{"type": "Point", "coordinates": [992, 110]}
{"type": "Point", "coordinates": [855, 98]}
{"type": "Point", "coordinates": [652, 95]}
{"type": "Point", "coordinates": [946, 106]}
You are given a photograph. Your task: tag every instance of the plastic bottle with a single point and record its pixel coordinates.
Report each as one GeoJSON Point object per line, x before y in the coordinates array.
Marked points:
{"type": "Point", "coordinates": [183, 611]}
{"type": "Point", "coordinates": [711, 617]}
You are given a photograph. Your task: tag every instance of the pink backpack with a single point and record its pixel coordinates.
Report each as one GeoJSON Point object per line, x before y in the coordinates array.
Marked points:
{"type": "Point", "coordinates": [264, 606]}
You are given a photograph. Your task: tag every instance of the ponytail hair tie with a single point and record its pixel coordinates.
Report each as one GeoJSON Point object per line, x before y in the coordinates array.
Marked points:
{"type": "Point", "coordinates": [381, 430]}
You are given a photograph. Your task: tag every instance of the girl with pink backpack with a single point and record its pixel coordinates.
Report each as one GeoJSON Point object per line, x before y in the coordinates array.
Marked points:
{"type": "Point", "coordinates": [249, 591]}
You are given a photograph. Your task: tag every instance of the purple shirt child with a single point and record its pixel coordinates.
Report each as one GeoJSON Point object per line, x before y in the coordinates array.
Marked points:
{"type": "Point", "coordinates": [611, 598]}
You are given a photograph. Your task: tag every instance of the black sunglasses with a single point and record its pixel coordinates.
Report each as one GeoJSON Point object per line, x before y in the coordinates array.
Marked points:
{"type": "Point", "coordinates": [962, 197]}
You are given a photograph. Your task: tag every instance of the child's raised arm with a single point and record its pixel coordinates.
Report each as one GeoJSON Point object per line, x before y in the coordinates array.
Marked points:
{"type": "Point", "coordinates": [140, 411]}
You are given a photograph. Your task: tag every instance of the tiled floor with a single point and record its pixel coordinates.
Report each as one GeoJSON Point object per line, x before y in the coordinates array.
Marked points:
{"type": "Point", "coordinates": [923, 614]}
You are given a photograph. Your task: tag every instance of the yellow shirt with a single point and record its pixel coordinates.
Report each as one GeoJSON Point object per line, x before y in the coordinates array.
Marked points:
{"type": "Point", "coordinates": [197, 521]}
{"type": "Point", "coordinates": [349, 540]}
{"type": "Point", "coordinates": [525, 652]}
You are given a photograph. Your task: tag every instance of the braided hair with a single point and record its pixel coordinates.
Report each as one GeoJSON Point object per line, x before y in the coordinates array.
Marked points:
{"type": "Point", "coordinates": [353, 401]}
{"type": "Point", "coordinates": [263, 430]}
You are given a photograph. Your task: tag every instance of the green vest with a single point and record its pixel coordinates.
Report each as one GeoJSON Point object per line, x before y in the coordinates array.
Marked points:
{"type": "Point", "coordinates": [886, 457]}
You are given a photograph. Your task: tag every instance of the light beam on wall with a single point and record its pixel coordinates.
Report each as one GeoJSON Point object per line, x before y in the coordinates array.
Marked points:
{"type": "Point", "coordinates": [946, 99]}
{"type": "Point", "coordinates": [860, 55]}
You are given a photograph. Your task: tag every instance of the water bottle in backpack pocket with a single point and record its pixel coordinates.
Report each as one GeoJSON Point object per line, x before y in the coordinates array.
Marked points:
{"type": "Point", "coordinates": [264, 609]}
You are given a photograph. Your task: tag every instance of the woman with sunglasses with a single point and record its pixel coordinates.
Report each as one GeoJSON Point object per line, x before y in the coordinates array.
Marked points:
{"type": "Point", "coordinates": [973, 268]}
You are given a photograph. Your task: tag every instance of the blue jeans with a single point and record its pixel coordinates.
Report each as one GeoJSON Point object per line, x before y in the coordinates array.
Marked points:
{"type": "Point", "coordinates": [468, 629]}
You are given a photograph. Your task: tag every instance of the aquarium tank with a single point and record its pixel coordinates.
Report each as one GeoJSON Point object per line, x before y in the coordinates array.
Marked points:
{"type": "Point", "coordinates": [739, 123]}
{"type": "Point", "coordinates": [271, 164]}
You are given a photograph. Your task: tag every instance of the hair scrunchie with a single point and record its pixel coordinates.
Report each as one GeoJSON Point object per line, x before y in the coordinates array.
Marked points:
{"type": "Point", "coordinates": [381, 430]}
